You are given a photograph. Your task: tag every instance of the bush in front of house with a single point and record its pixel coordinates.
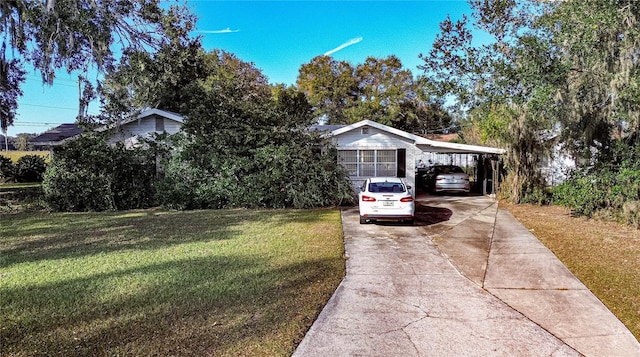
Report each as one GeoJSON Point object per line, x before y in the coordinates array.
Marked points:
{"type": "Point", "coordinates": [610, 186]}
{"type": "Point", "coordinates": [7, 169]}
{"type": "Point", "coordinates": [87, 174]}
{"type": "Point", "coordinates": [292, 175]}
{"type": "Point", "coordinates": [30, 168]}
{"type": "Point", "coordinates": [250, 147]}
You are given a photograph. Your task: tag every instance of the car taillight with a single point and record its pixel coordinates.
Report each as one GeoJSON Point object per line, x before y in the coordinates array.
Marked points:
{"type": "Point", "coordinates": [368, 199]}
{"type": "Point", "coordinates": [406, 199]}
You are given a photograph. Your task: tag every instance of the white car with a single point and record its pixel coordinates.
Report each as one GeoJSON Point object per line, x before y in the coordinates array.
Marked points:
{"type": "Point", "coordinates": [386, 198]}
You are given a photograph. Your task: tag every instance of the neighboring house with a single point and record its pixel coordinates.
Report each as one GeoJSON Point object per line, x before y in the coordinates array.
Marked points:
{"type": "Point", "coordinates": [442, 137]}
{"type": "Point", "coordinates": [368, 148]}
{"type": "Point", "coordinates": [56, 136]}
{"type": "Point", "coordinates": [144, 126]}
{"type": "Point", "coordinates": [5, 144]}
{"type": "Point", "coordinates": [130, 132]}
{"type": "Point", "coordinates": [557, 163]}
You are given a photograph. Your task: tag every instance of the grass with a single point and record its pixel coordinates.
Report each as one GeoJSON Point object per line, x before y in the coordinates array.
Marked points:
{"type": "Point", "coordinates": [18, 197]}
{"type": "Point", "coordinates": [14, 155]}
{"type": "Point", "coordinates": [224, 283]}
{"type": "Point", "coordinates": [604, 255]}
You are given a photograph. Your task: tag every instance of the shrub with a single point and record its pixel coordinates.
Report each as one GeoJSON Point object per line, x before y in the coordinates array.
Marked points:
{"type": "Point", "coordinates": [7, 169]}
{"type": "Point", "coordinates": [30, 168]}
{"type": "Point", "coordinates": [89, 175]}
{"type": "Point", "coordinates": [73, 189]}
{"type": "Point", "coordinates": [186, 187]}
{"type": "Point", "coordinates": [582, 193]}
{"type": "Point", "coordinates": [611, 185]}
{"type": "Point", "coordinates": [275, 176]}
{"type": "Point", "coordinates": [539, 196]}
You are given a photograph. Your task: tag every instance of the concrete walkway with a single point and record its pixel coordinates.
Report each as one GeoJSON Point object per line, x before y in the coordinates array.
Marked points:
{"type": "Point", "coordinates": [467, 280]}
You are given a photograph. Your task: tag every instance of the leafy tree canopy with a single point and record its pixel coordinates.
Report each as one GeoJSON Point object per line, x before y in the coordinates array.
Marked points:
{"type": "Point", "coordinates": [505, 87]}
{"type": "Point", "coordinates": [558, 65]}
{"type": "Point", "coordinates": [596, 42]}
{"type": "Point", "coordinates": [330, 86]}
{"type": "Point", "coordinates": [76, 35]}
{"type": "Point", "coordinates": [379, 89]}
{"type": "Point", "coordinates": [246, 143]}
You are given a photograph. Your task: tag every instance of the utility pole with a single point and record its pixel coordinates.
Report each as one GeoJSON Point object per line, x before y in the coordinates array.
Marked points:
{"type": "Point", "coordinates": [6, 140]}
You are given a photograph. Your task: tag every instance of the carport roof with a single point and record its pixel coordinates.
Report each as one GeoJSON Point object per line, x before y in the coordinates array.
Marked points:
{"type": "Point", "coordinates": [420, 142]}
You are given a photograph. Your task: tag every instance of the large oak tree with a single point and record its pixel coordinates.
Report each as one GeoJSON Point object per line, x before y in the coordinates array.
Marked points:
{"type": "Point", "coordinates": [77, 35]}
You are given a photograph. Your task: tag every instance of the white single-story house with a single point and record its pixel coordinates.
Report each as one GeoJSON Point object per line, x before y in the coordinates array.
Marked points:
{"type": "Point", "coordinates": [130, 132]}
{"type": "Point", "coordinates": [365, 148]}
{"type": "Point", "coordinates": [368, 148]}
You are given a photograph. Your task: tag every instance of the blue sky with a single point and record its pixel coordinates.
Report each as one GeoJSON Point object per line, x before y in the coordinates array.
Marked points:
{"type": "Point", "coordinates": [278, 37]}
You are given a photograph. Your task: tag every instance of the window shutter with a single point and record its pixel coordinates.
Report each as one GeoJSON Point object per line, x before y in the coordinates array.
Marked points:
{"type": "Point", "coordinates": [402, 163]}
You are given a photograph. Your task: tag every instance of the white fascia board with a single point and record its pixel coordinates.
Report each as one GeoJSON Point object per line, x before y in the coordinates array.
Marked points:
{"type": "Point", "coordinates": [162, 113]}
{"type": "Point", "coordinates": [144, 114]}
{"type": "Point", "coordinates": [420, 142]}
{"type": "Point", "coordinates": [378, 126]}
{"type": "Point", "coordinates": [461, 148]}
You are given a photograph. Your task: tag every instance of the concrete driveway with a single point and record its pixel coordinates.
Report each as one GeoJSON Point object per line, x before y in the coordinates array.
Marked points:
{"type": "Point", "coordinates": [467, 280]}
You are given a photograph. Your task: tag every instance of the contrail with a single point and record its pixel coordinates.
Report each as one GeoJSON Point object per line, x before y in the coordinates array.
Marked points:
{"type": "Point", "coordinates": [353, 41]}
{"type": "Point", "coordinates": [227, 30]}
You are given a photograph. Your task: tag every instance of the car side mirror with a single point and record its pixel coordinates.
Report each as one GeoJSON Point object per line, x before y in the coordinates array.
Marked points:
{"type": "Point", "coordinates": [408, 187]}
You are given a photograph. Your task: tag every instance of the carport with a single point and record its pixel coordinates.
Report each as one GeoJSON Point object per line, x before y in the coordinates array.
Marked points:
{"type": "Point", "coordinates": [486, 162]}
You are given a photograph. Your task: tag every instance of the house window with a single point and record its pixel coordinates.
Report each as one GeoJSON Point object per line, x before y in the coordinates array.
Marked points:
{"type": "Point", "coordinates": [349, 159]}
{"type": "Point", "coordinates": [369, 163]}
{"type": "Point", "coordinates": [365, 130]}
{"type": "Point", "coordinates": [386, 163]}
{"type": "Point", "coordinates": [159, 124]}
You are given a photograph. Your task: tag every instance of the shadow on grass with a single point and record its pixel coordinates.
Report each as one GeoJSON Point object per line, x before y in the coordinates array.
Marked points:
{"type": "Point", "coordinates": [238, 302]}
{"type": "Point", "coordinates": [31, 238]}
{"type": "Point", "coordinates": [217, 305]}
{"type": "Point", "coordinates": [34, 237]}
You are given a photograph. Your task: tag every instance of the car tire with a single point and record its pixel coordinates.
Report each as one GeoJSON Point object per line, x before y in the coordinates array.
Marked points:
{"type": "Point", "coordinates": [363, 220]}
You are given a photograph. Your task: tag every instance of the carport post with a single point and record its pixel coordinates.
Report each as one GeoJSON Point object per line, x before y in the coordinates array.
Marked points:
{"type": "Point", "coordinates": [481, 165]}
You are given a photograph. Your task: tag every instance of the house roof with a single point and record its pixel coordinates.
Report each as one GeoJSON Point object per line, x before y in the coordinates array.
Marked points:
{"type": "Point", "coordinates": [328, 128]}
{"type": "Point", "coordinates": [57, 135]}
{"type": "Point", "coordinates": [422, 143]}
{"type": "Point", "coordinates": [442, 137]}
{"type": "Point", "coordinates": [146, 113]}
{"type": "Point", "coordinates": [61, 133]}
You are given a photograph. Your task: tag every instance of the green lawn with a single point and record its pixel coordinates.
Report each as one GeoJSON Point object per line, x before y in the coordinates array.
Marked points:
{"type": "Point", "coordinates": [15, 155]}
{"type": "Point", "coordinates": [227, 283]}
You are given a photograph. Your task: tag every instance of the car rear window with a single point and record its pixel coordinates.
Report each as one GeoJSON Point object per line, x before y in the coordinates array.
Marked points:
{"type": "Point", "coordinates": [390, 187]}
{"type": "Point", "coordinates": [450, 170]}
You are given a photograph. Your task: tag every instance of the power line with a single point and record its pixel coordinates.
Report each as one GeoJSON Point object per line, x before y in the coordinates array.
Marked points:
{"type": "Point", "coordinates": [57, 84]}
{"type": "Point", "coordinates": [36, 77]}
{"type": "Point", "coordinates": [48, 106]}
